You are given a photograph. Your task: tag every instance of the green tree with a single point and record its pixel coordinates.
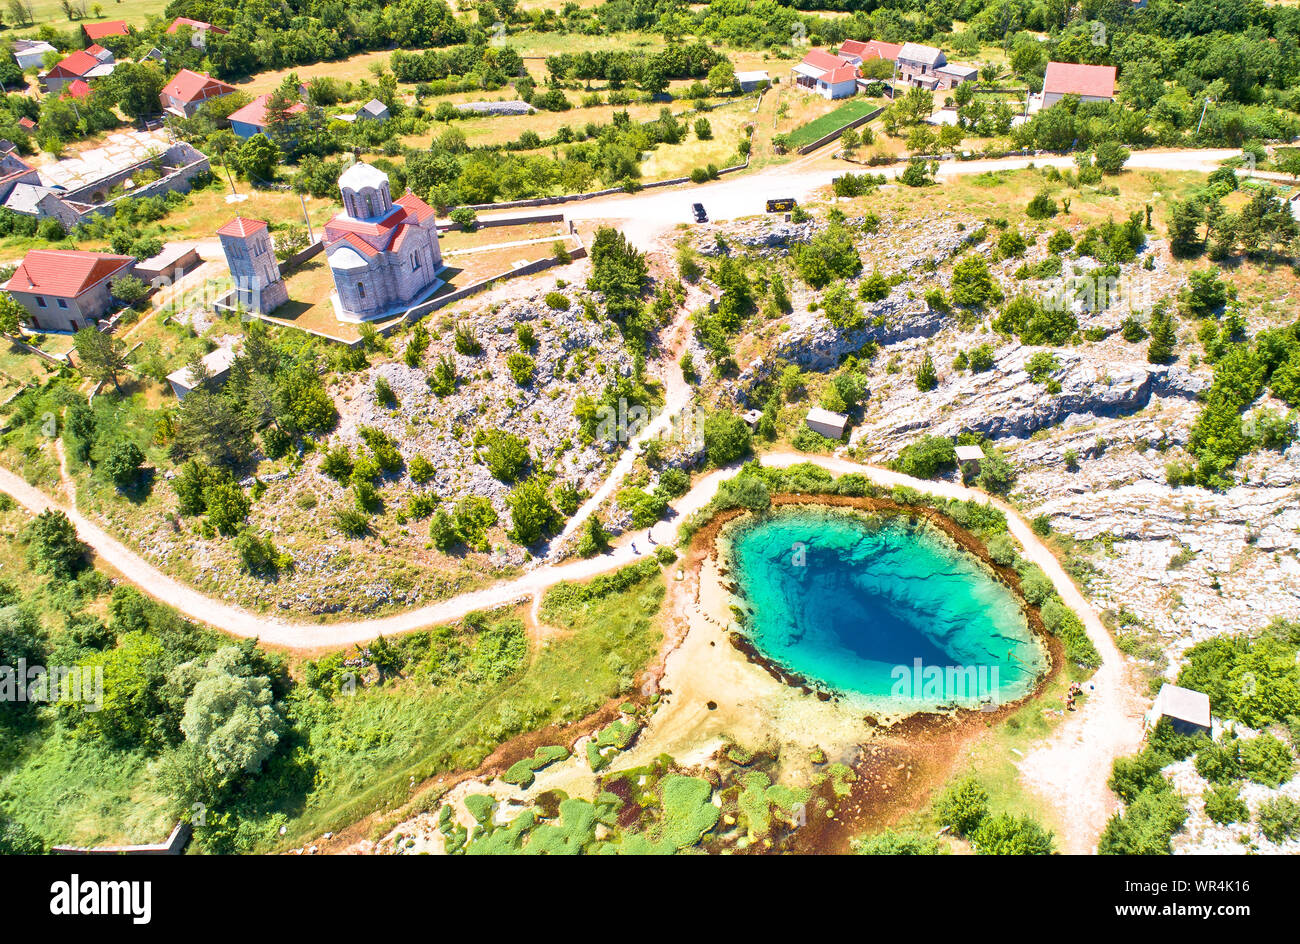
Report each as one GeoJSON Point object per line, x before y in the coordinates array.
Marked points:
{"type": "Point", "coordinates": [227, 506]}
{"type": "Point", "coordinates": [505, 455]}
{"type": "Point", "coordinates": [926, 377]}
{"type": "Point", "coordinates": [123, 463]}
{"type": "Point", "coordinates": [963, 806]}
{"type": "Point", "coordinates": [532, 515]}
{"type": "Point", "coordinates": [1004, 834]}
{"type": "Point", "coordinates": [52, 544]}
{"type": "Point", "coordinates": [230, 717]}
{"type": "Point", "coordinates": [12, 313]}
{"type": "Point", "coordinates": [726, 438]}
{"type": "Point", "coordinates": [100, 355]}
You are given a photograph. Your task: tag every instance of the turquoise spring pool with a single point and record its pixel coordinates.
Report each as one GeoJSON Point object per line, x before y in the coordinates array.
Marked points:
{"type": "Point", "coordinates": [880, 606]}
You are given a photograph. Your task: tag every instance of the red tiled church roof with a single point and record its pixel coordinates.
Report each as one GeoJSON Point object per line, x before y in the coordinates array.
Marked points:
{"type": "Point", "coordinates": [241, 226]}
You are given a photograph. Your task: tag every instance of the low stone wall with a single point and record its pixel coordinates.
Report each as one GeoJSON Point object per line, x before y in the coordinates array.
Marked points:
{"type": "Point", "coordinates": [433, 304]}
{"type": "Point", "coordinates": [297, 259]}
{"type": "Point", "coordinates": [591, 195]}
{"type": "Point", "coordinates": [447, 225]}
{"type": "Point", "coordinates": [827, 139]}
{"type": "Point", "coordinates": [172, 845]}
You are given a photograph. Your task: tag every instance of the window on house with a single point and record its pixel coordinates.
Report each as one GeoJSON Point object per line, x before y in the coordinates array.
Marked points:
{"type": "Point", "coordinates": [40, 300]}
{"type": "Point", "coordinates": [63, 303]}
{"type": "Point", "coordinates": [370, 206]}
{"type": "Point", "coordinates": [361, 290]}
{"type": "Point", "coordinates": [415, 261]}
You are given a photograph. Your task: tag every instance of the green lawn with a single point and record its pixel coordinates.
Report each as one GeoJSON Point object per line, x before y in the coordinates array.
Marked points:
{"type": "Point", "coordinates": [851, 110]}
{"type": "Point", "coordinates": [135, 12]}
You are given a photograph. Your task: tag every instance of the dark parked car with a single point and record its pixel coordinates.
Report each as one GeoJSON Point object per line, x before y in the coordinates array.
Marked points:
{"type": "Point", "coordinates": [700, 215]}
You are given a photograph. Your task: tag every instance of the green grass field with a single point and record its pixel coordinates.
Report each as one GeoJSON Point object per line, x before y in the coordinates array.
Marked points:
{"type": "Point", "coordinates": [851, 110]}
{"type": "Point", "coordinates": [133, 11]}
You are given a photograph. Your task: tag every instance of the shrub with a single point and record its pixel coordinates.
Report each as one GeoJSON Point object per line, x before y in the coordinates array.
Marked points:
{"type": "Point", "coordinates": [1041, 207]}
{"type": "Point", "coordinates": [227, 507]}
{"type": "Point", "coordinates": [926, 377]}
{"type": "Point", "coordinates": [1223, 805]}
{"type": "Point", "coordinates": [902, 843]}
{"type": "Point", "coordinates": [505, 455]}
{"type": "Point", "coordinates": [1146, 826]}
{"type": "Point", "coordinates": [384, 393]}
{"type": "Point", "coordinates": [963, 806]}
{"type": "Point", "coordinates": [351, 521]}
{"type": "Point", "coordinates": [1219, 762]}
{"type": "Point", "coordinates": [926, 458]}
{"type": "Point", "coordinates": [521, 367]}
{"type": "Point", "coordinates": [123, 463]}
{"type": "Point", "coordinates": [420, 469]}
{"type": "Point", "coordinates": [981, 358]}
{"type": "Point", "coordinates": [1266, 760]}
{"type": "Point", "coordinates": [558, 301]}
{"type": "Point", "coordinates": [726, 438]}
{"type": "Point", "coordinates": [1004, 834]}
{"type": "Point", "coordinates": [1279, 819]}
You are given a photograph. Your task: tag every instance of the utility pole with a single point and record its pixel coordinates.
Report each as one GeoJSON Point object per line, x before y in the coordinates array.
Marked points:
{"type": "Point", "coordinates": [310, 235]}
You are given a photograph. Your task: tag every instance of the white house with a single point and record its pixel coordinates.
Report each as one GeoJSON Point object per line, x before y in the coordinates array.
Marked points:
{"type": "Point", "coordinates": [828, 75]}
{"type": "Point", "coordinates": [29, 53]}
{"type": "Point", "coordinates": [218, 366]}
{"type": "Point", "coordinates": [749, 81]}
{"type": "Point", "coordinates": [1188, 710]}
{"type": "Point", "coordinates": [828, 424]}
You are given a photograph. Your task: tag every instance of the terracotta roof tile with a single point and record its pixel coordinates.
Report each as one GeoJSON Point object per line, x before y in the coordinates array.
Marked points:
{"type": "Point", "coordinates": [64, 273]}
{"type": "Point", "coordinates": [241, 226]}
{"type": "Point", "coordinates": [1068, 78]}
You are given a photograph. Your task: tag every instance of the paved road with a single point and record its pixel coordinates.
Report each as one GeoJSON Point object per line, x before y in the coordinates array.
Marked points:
{"type": "Point", "coordinates": [645, 215]}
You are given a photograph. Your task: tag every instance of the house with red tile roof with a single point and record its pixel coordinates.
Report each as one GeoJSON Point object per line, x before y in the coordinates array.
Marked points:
{"type": "Point", "coordinates": [829, 75]}
{"type": "Point", "coordinates": [66, 289]}
{"type": "Point", "coordinates": [858, 51]}
{"type": "Point", "coordinates": [251, 119]}
{"type": "Point", "coordinates": [81, 65]}
{"type": "Point", "coordinates": [198, 30]}
{"type": "Point", "coordinates": [94, 32]}
{"type": "Point", "coordinates": [187, 90]}
{"type": "Point", "coordinates": [78, 89]}
{"type": "Point", "coordinates": [383, 254]}
{"type": "Point", "coordinates": [1090, 83]}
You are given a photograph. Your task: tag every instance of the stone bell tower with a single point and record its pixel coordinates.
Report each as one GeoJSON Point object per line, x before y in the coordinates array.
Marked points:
{"type": "Point", "coordinates": [251, 257]}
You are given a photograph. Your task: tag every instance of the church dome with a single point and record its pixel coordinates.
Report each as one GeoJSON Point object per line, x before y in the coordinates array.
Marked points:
{"type": "Point", "coordinates": [361, 176]}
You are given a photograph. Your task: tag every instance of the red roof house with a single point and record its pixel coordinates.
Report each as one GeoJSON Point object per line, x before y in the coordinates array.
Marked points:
{"type": "Point", "coordinates": [251, 119]}
{"type": "Point", "coordinates": [199, 30]}
{"type": "Point", "coordinates": [1090, 83]}
{"type": "Point", "coordinates": [66, 289]}
{"type": "Point", "coordinates": [79, 65]}
{"type": "Point", "coordinates": [78, 89]}
{"type": "Point", "coordinates": [94, 32]}
{"type": "Point", "coordinates": [828, 75]}
{"type": "Point", "coordinates": [871, 49]}
{"type": "Point", "coordinates": [187, 90]}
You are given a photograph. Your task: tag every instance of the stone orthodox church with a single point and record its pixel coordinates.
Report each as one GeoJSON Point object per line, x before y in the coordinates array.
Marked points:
{"type": "Point", "coordinates": [383, 254]}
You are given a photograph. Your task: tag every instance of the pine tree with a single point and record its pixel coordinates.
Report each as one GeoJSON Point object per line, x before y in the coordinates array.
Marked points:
{"type": "Point", "coordinates": [926, 376]}
{"type": "Point", "coordinates": [1163, 338]}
